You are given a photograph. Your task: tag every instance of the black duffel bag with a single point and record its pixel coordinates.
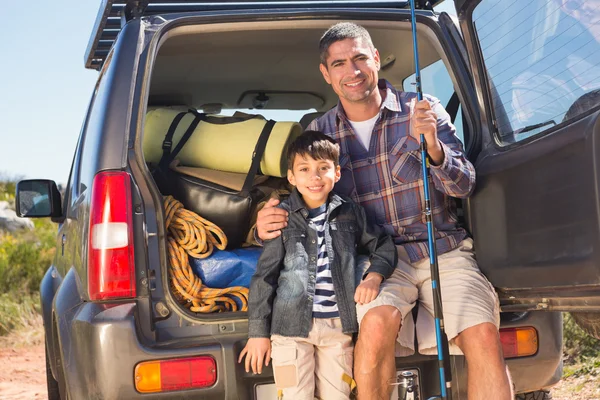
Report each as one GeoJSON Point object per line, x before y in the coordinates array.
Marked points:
{"type": "Point", "coordinates": [229, 209]}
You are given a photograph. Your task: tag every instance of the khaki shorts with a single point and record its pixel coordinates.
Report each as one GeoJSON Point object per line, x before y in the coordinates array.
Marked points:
{"type": "Point", "coordinates": [468, 298]}
{"type": "Point", "coordinates": [319, 366]}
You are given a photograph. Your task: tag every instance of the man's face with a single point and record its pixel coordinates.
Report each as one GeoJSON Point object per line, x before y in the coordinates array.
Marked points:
{"type": "Point", "coordinates": [352, 69]}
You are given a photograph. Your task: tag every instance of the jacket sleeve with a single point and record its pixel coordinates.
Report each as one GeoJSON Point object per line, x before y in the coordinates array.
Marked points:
{"type": "Point", "coordinates": [263, 287]}
{"type": "Point", "coordinates": [455, 177]}
{"type": "Point", "coordinates": [377, 245]}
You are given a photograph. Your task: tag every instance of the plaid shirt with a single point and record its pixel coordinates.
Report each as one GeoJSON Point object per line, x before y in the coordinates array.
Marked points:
{"type": "Point", "coordinates": [386, 179]}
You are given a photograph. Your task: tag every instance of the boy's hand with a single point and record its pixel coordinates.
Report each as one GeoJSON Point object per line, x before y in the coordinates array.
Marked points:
{"type": "Point", "coordinates": [368, 289]}
{"type": "Point", "coordinates": [256, 350]}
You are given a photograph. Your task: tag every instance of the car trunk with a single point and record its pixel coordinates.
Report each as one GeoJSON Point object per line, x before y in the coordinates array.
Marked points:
{"type": "Point", "coordinates": [226, 67]}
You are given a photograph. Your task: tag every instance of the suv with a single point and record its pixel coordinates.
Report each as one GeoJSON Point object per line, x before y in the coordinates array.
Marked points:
{"type": "Point", "coordinates": [519, 79]}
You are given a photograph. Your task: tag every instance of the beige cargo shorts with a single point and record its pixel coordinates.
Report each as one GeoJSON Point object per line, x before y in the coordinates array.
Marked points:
{"type": "Point", "coordinates": [468, 298]}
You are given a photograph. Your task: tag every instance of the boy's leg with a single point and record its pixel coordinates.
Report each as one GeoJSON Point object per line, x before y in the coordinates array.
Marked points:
{"type": "Point", "coordinates": [333, 358]}
{"type": "Point", "coordinates": [293, 366]}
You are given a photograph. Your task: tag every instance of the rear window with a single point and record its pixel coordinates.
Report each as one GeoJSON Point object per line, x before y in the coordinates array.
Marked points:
{"type": "Point", "coordinates": [543, 62]}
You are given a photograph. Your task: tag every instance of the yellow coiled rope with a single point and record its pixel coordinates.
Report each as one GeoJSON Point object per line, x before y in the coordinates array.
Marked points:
{"type": "Point", "coordinates": [190, 234]}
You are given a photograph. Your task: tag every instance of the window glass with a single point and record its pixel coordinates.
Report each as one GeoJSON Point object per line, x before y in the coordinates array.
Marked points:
{"type": "Point", "coordinates": [436, 81]}
{"type": "Point", "coordinates": [542, 60]}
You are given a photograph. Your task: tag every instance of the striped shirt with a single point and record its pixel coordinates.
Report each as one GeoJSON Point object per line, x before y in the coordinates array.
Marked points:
{"type": "Point", "coordinates": [325, 303]}
{"type": "Point", "coordinates": [386, 178]}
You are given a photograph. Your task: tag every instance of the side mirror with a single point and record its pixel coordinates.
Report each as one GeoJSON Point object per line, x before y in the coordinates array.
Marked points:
{"type": "Point", "coordinates": [37, 198]}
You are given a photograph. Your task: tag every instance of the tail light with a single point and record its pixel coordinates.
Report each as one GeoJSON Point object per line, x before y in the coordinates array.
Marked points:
{"type": "Point", "coordinates": [178, 374]}
{"type": "Point", "coordinates": [111, 268]}
{"type": "Point", "coordinates": [519, 342]}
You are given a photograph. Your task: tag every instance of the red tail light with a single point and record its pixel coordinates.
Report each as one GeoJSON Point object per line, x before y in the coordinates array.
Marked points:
{"type": "Point", "coordinates": [111, 269]}
{"type": "Point", "coordinates": [519, 342]}
{"type": "Point", "coordinates": [178, 374]}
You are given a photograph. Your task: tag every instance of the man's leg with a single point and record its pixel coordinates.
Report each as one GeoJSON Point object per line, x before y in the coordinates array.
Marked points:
{"type": "Point", "coordinates": [374, 353]}
{"type": "Point", "coordinates": [488, 377]}
{"type": "Point", "coordinates": [471, 319]}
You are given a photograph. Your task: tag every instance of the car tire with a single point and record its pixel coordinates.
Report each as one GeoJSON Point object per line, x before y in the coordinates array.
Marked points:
{"type": "Point", "coordinates": [537, 395]}
{"type": "Point", "coordinates": [51, 383]}
{"type": "Point", "coordinates": [589, 322]}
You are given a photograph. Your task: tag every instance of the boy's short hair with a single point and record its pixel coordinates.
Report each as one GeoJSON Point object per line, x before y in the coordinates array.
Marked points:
{"type": "Point", "coordinates": [315, 144]}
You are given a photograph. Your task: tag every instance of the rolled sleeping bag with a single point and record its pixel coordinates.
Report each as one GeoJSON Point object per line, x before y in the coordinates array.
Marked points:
{"type": "Point", "coordinates": [220, 146]}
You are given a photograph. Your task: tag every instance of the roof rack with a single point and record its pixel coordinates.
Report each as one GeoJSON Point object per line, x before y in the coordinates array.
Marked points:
{"type": "Point", "coordinates": [114, 14]}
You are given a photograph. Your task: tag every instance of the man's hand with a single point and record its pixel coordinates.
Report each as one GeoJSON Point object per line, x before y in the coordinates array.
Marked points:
{"type": "Point", "coordinates": [270, 220]}
{"type": "Point", "coordinates": [368, 289]}
{"type": "Point", "coordinates": [424, 120]}
{"type": "Point", "coordinates": [256, 350]}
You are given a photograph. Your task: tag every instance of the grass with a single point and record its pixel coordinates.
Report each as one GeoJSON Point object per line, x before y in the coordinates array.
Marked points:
{"type": "Point", "coordinates": [581, 367]}
{"type": "Point", "coordinates": [18, 312]}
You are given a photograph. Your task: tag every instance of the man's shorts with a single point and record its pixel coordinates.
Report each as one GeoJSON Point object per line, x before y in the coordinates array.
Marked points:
{"type": "Point", "coordinates": [468, 298]}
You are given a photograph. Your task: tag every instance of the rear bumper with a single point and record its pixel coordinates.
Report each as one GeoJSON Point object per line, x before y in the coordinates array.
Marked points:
{"type": "Point", "coordinates": [100, 348]}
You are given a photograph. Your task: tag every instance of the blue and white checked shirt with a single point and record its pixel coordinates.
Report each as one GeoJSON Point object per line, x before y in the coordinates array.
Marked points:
{"type": "Point", "coordinates": [386, 179]}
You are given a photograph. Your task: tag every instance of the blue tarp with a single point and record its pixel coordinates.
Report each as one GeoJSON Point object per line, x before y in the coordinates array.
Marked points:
{"type": "Point", "coordinates": [227, 268]}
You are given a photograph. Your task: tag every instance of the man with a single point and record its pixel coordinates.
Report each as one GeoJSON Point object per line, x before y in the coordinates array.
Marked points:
{"type": "Point", "coordinates": [376, 127]}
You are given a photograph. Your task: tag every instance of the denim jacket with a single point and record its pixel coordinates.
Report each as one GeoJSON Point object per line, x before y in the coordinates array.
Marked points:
{"type": "Point", "coordinates": [283, 287]}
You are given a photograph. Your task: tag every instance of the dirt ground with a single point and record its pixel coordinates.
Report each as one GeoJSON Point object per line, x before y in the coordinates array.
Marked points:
{"type": "Point", "coordinates": [23, 374]}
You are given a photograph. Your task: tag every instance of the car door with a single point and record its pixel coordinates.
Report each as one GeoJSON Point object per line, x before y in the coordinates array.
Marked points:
{"type": "Point", "coordinates": [535, 213]}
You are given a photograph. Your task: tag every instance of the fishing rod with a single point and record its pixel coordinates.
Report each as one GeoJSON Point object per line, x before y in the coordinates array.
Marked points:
{"type": "Point", "coordinates": [440, 333]}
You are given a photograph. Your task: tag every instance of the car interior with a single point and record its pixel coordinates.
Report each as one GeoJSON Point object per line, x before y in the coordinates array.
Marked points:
{"type": "Point", "coordinates": [271, 69]}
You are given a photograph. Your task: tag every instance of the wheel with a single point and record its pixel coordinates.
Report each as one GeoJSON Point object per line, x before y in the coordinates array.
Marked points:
{"type": "Point", "coordinates": [537, 395]}
{"type": "Point", "coordinates": [589, 322]}
{"type": "Point", "coordinates": [51, 383]}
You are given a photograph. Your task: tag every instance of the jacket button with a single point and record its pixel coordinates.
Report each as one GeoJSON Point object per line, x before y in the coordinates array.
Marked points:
{"type": "Point", "coordinates": [370, 161]}
{"type": "Point", "coordinates": [312, 258]}
{"type": "Point", "coordinates": [314, 241]}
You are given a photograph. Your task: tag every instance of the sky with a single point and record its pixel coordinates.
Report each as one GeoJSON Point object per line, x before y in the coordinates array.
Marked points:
{"type": "Point", "coordinates": [44, 85]}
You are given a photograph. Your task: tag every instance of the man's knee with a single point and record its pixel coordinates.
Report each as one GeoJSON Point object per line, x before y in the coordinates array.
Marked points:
{"type": "Point", "coordinates": [481, 336]}
{"type": "Point", "coordinates": [380, 325]}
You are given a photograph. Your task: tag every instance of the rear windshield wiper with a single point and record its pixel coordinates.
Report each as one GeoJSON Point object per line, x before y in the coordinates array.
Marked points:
{"type": "Point", "coordinates": [534, 126]}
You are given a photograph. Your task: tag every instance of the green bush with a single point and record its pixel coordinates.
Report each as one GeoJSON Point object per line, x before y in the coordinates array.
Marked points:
{"type": "Point", "coordinates": [578, 345]}
{"type": "Point", "coordinates": [24, 258]}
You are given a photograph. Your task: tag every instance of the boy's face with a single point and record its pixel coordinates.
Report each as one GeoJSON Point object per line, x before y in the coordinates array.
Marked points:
{"type": "Point", "coordinates": [314, 179]}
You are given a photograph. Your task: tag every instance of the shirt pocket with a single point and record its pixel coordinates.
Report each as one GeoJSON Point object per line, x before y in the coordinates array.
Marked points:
{"type": "Point", "coordinates": [405, 161]}
{"type": "Point", "coordinates": [294, 241]}
{"type": "Point", "coordinates": [346, 233]}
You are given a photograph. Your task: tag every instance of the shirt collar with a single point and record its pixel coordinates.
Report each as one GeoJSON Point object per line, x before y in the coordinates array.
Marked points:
{"type": "Point", "coordinates": [390, 102]}
{"type": "Point", "coordinates": [297, 204]}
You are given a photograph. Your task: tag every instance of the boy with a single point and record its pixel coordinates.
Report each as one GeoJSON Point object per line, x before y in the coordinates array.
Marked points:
{"type": "Point", "coordinates": [303, 292]}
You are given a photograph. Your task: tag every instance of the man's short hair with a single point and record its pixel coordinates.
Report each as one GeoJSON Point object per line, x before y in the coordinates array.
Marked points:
{"type": "Point", "coordinates": [315, 144]}
{"type": "Point", "coordinates": [342, 31]}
